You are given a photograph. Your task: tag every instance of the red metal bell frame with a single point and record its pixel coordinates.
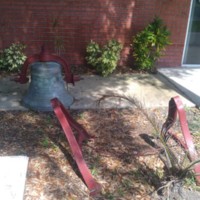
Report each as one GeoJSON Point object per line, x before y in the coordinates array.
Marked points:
{"type": "Point", "coordinates": [45, 56]}
{"type": "Point", "coordinates": [67, 122]}
{"type": "Point", "coordinates": [176, 108]}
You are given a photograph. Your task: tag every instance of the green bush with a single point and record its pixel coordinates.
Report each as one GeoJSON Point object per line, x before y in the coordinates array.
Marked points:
{"type": "Point", "coordinates": [149, 44]}
{"type": "Point", "coordinates": [12, 58]}
{"type": "Point", "coordinates": [104, 59]}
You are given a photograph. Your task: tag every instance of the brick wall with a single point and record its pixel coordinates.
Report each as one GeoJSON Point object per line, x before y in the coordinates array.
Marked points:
{"type": "Point", "coordinates": [175, 15]}
{"type": "Point", "coordinates": [74, 23]}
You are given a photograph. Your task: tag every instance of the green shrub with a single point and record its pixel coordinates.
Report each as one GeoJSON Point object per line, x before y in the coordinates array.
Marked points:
{"type": "Point", "coordinates": [104, 59]}
{"type": "Point", "coordinates": [12, 58]}
{"type": "Point", "coordinates": [149, 44]}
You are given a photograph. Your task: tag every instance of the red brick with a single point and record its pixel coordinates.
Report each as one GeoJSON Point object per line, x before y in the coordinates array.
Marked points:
{"type": "Point", "coordinates": [83, 20]}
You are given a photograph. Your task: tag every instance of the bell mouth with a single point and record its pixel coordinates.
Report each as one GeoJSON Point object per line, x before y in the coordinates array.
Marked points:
{"type": "Point", "coordinates": [45, 106]}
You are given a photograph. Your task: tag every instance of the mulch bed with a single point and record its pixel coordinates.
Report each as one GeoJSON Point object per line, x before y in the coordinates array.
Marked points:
{"type": "Point", "coordinates": [119, 157]}
{"type": "Point", "coordinates": [115, 157]}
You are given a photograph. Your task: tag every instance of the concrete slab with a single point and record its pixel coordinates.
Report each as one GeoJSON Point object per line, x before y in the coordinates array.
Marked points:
{"type": "Point", "coordinates": [12, 177]}
{"type": "Point", "coordinates": [151, 90]}
{"type": "Point", "coordinates": [186, 80]}
{"type": "Point", "coordinates": [11, 94]}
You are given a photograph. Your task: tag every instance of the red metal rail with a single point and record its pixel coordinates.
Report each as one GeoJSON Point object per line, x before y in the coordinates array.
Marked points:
{"type": "Point", "coordinates": [176, 108]}
{"type": "Point", "coordinates": [67, 122]}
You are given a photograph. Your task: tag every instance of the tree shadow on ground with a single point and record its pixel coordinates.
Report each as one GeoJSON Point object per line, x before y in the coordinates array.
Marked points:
{"type": "Point", "coordinates": [49, 172]}
{"type": "Point", "coordinates": [111, 155]}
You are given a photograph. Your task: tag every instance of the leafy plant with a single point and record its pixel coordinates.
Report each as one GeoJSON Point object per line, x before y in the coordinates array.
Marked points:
{"type": "Point", "coordinates": [149, 44]}
{"type": "Point", "coordinates": [45, 142]}
{"type": "Point", "coordinates": [175, 171]}
{"type": "Point", "coordinates": [104, 59]}
{"type": "Point", "coordinates": [12, 58]}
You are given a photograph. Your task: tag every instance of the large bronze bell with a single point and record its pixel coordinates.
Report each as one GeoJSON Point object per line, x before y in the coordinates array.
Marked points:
{"type": "Point", "coordinates": [46, 80]}
{"type": "Point", "coordinates": [46, 83]}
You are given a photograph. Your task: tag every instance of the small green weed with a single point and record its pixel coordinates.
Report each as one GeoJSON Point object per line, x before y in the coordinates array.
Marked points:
{"type": "Point", "coordinates": [48, 119]}
{"type": "Point", "coordinates": [109, 196]}
{"type": "Point", "coordinates": [190, 180]}
{"type": "Point", "coordinates": [81, 116]}
{"type": "Point", "coordinates": [137, 174]}
{"type": "Point", "coordinates": [126, 184]}
{"type": "Point", "coordinates": [45, 142]}
{"type": "Point", "coordinates": [120, 192]}
{"type": "Point", "coordinates": [94, 171]}
{"type": "Point", "coordinates": [94, 166]}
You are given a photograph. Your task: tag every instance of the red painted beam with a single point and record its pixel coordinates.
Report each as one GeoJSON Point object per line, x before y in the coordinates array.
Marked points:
{"type": "Point", "coordinates": [66, 121]}
{"type": "Point", "coordinates": [45, 56]}
{"type": "Point", "coordinates": [176, 108]}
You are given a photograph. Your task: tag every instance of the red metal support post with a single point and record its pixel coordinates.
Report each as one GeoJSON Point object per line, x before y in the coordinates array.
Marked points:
{"type": "Point", "coordinates": [45, 56]}
{"type": "Point", "coordinates": [66, 121]}
{"type": "Point", "coordinates": [176, 108]}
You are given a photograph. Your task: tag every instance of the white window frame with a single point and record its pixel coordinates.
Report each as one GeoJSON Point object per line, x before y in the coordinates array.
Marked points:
{"type": "Point", "coordinates": [186, 39]}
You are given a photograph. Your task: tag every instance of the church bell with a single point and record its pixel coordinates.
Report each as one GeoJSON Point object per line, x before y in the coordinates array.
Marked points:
{"type": "Point", "coordinates": [46, 80]}
{"type": "Point", "coordinates": [46, 83]}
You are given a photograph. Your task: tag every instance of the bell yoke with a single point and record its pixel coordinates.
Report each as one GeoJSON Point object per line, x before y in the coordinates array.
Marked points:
{"type": "Point", "coordinates": [46, 81]}
{"type": "Point", "coordinates": [45, 56]}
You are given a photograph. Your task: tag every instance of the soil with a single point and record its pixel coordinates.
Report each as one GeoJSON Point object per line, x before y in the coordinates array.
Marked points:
{"type": "Point", "coordinates": [119, 156]}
